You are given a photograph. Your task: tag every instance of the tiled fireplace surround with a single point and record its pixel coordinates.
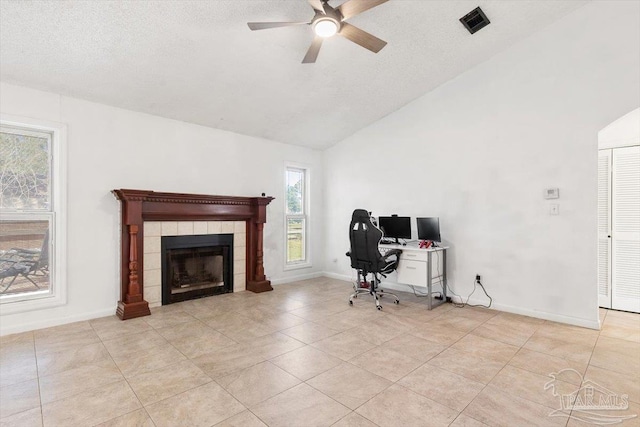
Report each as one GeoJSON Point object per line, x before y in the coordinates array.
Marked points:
{"type": "Point", "coordinates": [153, 232]}
{"type": "Point", "coordinates": [147, 215]}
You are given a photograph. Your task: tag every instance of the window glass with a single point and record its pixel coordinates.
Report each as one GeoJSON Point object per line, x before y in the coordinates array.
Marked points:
{"type": "Point", "coordinates": [27, 214]}
{"type": "Point", "coordinates": [295, 191]}
{"type": "Point", "coordinates": [25, 170]}
{"type": "Point", "coordinates": [295, 240]}
{"type": "Point", "coordinates": [296, 217]}
{"type": "Point", "coordinates": [24, 257]}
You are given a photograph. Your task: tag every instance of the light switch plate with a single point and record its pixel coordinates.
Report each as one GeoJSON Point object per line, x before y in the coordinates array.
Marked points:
{"type": "Point", "coordinates": [554, 209]}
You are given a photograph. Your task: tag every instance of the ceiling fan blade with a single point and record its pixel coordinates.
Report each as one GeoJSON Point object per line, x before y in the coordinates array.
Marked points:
{"type": "Point", "coordinates": [352, 8]}
{"type": "Point", "coordinates": [266, 25]}
{"type": "Point", "coordinates": [316, 5]}
{"type": "Point", "coordinates": [312, 53]}
{"type": "Point", "coordinates": [364, 39]}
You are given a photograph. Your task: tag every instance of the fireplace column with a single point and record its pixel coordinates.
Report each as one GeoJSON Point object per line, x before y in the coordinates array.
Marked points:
{"type": "Point", "coordinates": [132, 303]}
{"type": "Point", "coordinates": [256, 280]}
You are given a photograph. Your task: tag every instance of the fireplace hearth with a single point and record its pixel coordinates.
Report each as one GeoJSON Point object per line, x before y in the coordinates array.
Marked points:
{"type": "Point", "coordinates": [196, 266]}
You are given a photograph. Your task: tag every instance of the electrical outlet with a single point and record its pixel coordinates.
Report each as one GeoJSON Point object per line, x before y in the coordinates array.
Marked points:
{"type": "Point", "coordinates": [477, 277]}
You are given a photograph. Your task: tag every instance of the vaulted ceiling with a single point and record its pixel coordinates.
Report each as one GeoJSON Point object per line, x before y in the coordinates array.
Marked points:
{"type": "Point", "coordinates": [197, 61]}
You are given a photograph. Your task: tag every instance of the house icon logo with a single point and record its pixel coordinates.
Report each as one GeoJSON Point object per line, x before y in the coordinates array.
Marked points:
{"type": "Point", "coordinates": [590, 402]}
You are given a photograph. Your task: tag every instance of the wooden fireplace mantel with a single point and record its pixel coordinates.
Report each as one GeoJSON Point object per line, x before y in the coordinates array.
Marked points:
{"type": "Point", "coordinates": [143, 205]}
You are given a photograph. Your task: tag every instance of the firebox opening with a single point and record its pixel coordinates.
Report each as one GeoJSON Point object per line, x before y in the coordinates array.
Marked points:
{"type": "Point", "coordinates": [196, 266]}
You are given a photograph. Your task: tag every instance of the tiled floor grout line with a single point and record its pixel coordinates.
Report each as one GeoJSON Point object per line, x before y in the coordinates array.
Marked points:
{"type": "Point", "coordinates": [125, 379]}
{"type": "Point", "coordinates": [505, 365]}
{"type": "Point", "coordinates": [35, 355]}
{"type": "Point", "coordinates": [214, 380]}
{"type": "Point", "coordinates": [426, 363]}
{"type": "Point", "coordinates": [485, 385]}
{"type": "Point", "coordinates": [342, 361]}
{"type": "Point", "coordinates": [521, 347]}
{"type": "Point", "coordinates": [588, 365]}
{"type": "Point", "coordinates": [396, 382]}
{"type": "Point", "coordinates": [404, 332]}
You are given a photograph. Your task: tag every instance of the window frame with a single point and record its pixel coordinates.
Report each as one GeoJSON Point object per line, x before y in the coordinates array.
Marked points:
{"type": "Point", "coordinates": [56, 215]}
{"type": "Point", "coordinates": [305, 216]}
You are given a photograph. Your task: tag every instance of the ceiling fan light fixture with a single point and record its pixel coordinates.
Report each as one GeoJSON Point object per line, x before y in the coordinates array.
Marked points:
{"type": "Point", "coordinates": [325, 27]}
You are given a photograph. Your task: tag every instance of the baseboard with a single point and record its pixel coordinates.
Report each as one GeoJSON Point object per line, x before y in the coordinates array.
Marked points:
{"type": "Point", "coordinates": [337, 276]}
{"type": "Point", "coordinates": [554, 317]}
{"type": "Point", "coordinates": [48, 323]}
{"type": "Point", "coordinates": [576, 321]}
{"type": "Point", "coordinates": [585, 323]}
{"type": "Point", "coordinates": [297, 277]}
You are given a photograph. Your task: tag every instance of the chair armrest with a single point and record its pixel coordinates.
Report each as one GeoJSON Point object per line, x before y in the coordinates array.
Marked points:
{"type": "Point", "coordinates": [14, 261]}
{"type": "Point", "coordinates": [392, 252]}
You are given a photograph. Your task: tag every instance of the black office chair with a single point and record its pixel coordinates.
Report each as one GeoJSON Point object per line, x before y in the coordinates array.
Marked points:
{"type": "Point", "coordinates": [366, 258]}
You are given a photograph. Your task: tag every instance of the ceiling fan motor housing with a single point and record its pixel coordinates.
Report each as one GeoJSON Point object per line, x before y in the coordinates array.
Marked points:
{"type": "Point", "coordinates": [330, 15]}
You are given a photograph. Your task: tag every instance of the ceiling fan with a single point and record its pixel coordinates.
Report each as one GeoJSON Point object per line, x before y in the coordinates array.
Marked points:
{"type": "Point", "coordinates": [329, 21]}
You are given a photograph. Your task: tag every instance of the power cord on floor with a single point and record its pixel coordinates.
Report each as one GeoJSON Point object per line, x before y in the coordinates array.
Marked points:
{"type": "Point", "coordinates": [466, 303]}
{"type": "Point", "coordinates": [479, 283]}
{"type": "Point", "coordinates": [455, 304]}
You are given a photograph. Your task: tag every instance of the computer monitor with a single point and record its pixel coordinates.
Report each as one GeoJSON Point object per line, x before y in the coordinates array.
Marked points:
{"type": "Point", "coordinates": [429, 229]}
{"type": "Point", "coordinates": [395, 227]}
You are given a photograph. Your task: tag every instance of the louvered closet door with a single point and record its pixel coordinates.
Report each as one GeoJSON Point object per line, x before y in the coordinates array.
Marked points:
{"type": "Point", "coordinates": [604, 228]}
{"type": "Point", "coordinates": [625, 216]}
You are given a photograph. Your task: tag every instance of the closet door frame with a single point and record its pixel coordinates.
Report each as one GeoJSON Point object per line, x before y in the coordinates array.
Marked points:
{"type": "Point", "coordinates": [604, 227]}
{"type": "Point", "coordinates": [625, 228]}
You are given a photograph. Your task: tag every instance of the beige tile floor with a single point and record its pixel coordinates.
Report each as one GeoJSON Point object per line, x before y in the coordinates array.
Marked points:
{"type": "Point", "coordinates": [301, 356]}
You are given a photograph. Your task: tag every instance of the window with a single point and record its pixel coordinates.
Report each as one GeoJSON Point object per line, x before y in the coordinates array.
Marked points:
{"type": "Point", "coordinates": [296, 217]}
{"type": "Point", "coordinates": [31, 215]}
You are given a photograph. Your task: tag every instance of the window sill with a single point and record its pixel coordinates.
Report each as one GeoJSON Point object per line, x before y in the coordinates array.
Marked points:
{"type": "Point", "coordinates": [297, 266]}
{"type": "Point", "coordinates": [22, 304]}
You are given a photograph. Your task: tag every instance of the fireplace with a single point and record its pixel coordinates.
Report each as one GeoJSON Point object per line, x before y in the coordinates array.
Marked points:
{"type": "Point", "coordinates": [141, 206]}
{"type": "Point", "coordinates": [196, 266]}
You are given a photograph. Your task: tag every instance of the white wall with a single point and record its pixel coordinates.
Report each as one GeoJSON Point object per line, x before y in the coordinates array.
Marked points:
{"type": "Point", "coordinates": [112, 148]}
{"type": "Point", "coordinates": [622, 133]}
{"type": "Point", "coordinates": [479, 151]}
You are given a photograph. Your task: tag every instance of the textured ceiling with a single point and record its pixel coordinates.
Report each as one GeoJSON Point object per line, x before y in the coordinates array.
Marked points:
{"type": "Point", "coordinates": [197, 61]}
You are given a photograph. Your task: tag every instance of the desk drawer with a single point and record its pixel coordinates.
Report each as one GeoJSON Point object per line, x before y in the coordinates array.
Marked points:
{"type": "Point", "coordinates": [415, 255]}
{"type": "Point", "coordinates": [412, 272]}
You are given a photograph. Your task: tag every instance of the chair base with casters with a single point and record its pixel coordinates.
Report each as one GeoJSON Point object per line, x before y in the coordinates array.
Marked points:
{"type": "Point", "coordinates": [371, 289]}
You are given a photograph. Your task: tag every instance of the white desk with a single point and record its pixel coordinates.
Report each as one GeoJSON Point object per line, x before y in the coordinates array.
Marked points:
{"type": "Point", "coordinates": [416, 269]}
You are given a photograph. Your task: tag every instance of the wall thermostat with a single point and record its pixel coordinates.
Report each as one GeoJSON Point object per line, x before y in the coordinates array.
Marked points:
{"type": "Point", "coordinates": [552, 193]}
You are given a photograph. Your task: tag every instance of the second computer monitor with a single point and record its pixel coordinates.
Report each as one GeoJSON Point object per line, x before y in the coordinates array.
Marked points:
{"type": "Point", "coordinates": [395, 227]}
{"type": "Point", "coordinates": [429, 229]}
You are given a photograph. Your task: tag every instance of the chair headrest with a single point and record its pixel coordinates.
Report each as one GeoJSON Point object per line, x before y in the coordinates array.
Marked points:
{"type": "Point", "coordinates": [360, 215]}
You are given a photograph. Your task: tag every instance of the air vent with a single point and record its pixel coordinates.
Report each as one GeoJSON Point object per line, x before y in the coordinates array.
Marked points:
{"type": "Point", "coordinates": [475, 20]}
